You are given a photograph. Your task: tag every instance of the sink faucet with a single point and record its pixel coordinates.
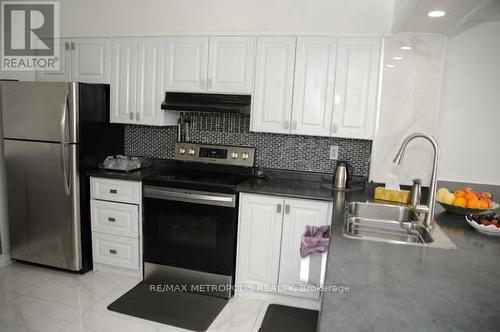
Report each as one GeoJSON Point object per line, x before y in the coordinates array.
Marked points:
{"type": "Point", "coordinates": [429, 217]}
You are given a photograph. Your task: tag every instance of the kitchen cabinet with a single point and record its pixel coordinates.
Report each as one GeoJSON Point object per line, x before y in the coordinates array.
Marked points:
{"type": "Point", "coordinates": [269, 236]}
{"type": "Point", "coordinates": [210, 64]}
{"type": "Point", "coordinates": [356, 88]}
{"type": "Point", "coordinates": [138, 82]}
{"type": "Point", "coordinates": [259, 237]}
{"type": "Point", "coordinates": [313, 89]}
{"type": "Point", "coordinates": [273, 88]}
{"type": "Point", "coordinates": [187, 61]}
{"type": "Point", "coordinates": [298, 213]}
{"type": "Point", "coordinates": [116, 225]}
{"type": "Point", "coordinates": [123, 80]}
{"type": "Point", "coordinates": [230, 64]}
{"type": "Point", "coordinates": [82, 60]}
{"type": "Point", "coordinates": [151, 83]}
{"type": "Point", "coordinates": [63, 74]}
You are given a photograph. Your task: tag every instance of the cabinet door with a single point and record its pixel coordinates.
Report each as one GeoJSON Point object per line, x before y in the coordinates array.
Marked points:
{"type": "Point", "coordinates": [356, 88]}
{"type": "Point", "coordinates": [230, 65]}
{"type": "Point", "coordinates": [90, 60]}
{"type": "Point", "coordinates": [123, 80]}
{"type": "Point", "coordinates": [187, 59]}
{"type": "Point", "coordinates": [151, 83]}
{"type": "Point", "coordinates": [298, 214]}
{"type": "Point", "coordinates": [314, 86]}
{"type": "Point", "coordinates": [64, 72]}
{"type": "Point", "coordinates": [272, 98]}
{"type": "Point", "coordinates": [259, 237]}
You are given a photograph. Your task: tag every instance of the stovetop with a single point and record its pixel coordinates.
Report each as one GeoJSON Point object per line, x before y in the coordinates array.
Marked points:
{"type": "Point", "coordinates": [203, 180]}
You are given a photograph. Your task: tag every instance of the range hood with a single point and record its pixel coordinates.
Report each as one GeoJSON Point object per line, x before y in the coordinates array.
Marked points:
{"type": "Point", "coordinates": [205, 102]}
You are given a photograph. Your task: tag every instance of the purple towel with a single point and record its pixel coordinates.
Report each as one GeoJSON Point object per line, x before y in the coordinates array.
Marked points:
{"type": "Point", "coordinates": [315, 239]}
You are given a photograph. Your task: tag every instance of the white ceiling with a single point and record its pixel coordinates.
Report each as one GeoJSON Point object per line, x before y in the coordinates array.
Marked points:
{"type": "Point", "coordinates": [460, 15]}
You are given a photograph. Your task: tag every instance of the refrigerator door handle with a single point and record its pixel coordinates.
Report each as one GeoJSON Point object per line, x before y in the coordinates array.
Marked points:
{"type": "Point", "coordinates": [66, 179]}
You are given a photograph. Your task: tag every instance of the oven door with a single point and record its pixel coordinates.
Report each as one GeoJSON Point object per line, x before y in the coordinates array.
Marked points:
{"type": "Point", "coordinates": [190, 229]}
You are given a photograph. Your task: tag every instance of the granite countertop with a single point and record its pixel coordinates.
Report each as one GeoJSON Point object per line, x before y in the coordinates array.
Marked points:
{"type": "Point", "coordinates": [297, 185]}
{"type": "Point", "coordinates": [131, 176]}
{"type": "Point", "coordinates": [408, 288]}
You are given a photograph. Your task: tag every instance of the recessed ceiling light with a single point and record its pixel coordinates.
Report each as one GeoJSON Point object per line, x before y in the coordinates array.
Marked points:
{"type": "Point", "coordinates": [390, 65]}
{"type": "Point", "coordinates": [397, 58]}
{"type": "Point", "coordinates": [436, 13]}
{"type": "Point", "coordinates": [406, 47]}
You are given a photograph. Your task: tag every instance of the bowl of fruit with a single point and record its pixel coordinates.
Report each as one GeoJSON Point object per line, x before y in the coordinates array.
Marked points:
{"type": "Point", "coordinates": [465, 201]}
{"type": "Point", "coordinates": [485, 223]}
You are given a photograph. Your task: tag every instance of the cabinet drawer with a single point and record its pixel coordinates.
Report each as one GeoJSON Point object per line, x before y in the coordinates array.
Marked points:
{"type": "Point", "coordinates": [115, 190]}
{"type": "Point", "coordinates": [115, 218]}
{"type": "Point", "coordinates": [115, 250]}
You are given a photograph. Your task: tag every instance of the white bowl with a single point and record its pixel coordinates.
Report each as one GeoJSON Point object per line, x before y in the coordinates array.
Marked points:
{"type": "Point", "coordinates": [490, 229]}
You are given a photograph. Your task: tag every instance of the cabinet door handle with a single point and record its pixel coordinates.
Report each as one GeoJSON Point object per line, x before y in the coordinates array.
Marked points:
{"type": "Point", "coordinates": [66, 46]}
{"type": "Point", "coordinates": [334, 128]}
{"type": "Point", "coordinates": [209, 83]}
{"type": "Point", "coordinates": [286, 125]}
{"type": "Point", "coordinates": [113, 191]}
{"type": "Point", "coordinates": [111, 219]}
{"type": "Point", "coordinates": [294, 125]}
{"type": "Point", "coordinates": [278, 208]}
{"type": "Point", "coordinates": [137, 116]}
{"type": "Point", "coordinates": [112, 251]}
{"type": "Point", "coordinates": [287, 209]}
{"type": "Point", "coordinates": [72, 45]}
{"type": "Point", "coordinates": [131, 115]}
{"type": "Point", "coordinates": [202, 84]}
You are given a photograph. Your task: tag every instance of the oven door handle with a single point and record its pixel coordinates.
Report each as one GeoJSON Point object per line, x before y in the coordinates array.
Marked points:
{"type": "Point", "coordinates": [191, 196]}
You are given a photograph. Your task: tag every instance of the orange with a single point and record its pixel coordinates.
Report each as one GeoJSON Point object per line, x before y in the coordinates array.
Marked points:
{"type": "Point", "coordinates": [483, 204]}
{"type": "Point", "coordinates": [467, 190]}
{"type": "Point", "coordinates": [459, 193]}
{"type": "Point", "coordinates": [473, 204]}
{"type": "Point", "coordinates": [471, 197]}
{"type": "Point", "coordinates": [460, 201]}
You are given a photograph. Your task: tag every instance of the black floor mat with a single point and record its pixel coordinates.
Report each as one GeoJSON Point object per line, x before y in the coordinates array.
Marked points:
{"type": "Point", "coordinates": [280, 318]}
{"type": "Point", "coordinates": [185, 310]}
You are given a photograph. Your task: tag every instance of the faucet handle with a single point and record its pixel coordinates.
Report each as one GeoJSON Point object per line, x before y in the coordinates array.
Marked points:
{"type": "Point", "coordinates": [416, 193]}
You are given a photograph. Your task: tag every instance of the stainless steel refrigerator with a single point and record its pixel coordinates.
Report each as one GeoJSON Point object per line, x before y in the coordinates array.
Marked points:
{"type": "Point", "coordinates": [52, 132]}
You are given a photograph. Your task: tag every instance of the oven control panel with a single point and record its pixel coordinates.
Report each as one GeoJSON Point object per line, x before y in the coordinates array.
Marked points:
{"type": "Point", "coordinates": [215, 154]}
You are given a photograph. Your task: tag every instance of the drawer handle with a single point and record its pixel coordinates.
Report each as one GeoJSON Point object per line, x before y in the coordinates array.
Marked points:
{"type": "Point", "coordinates": [111, 219]}
{"type": "Point", "coordinates": [112, 251]}
{"type": "Point", "coordinates": [113, 191]}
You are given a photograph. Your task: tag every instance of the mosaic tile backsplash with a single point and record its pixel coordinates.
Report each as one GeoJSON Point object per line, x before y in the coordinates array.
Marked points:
{"type": "Point", "coordinates": [290, 152]}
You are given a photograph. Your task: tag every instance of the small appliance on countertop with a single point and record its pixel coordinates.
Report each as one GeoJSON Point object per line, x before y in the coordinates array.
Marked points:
{"type": "Point", "coordinates": [124, 163]}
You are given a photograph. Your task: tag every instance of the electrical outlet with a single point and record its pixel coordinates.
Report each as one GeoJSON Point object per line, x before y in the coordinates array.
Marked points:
{"type": "Point", "coordinates": [334, 152]}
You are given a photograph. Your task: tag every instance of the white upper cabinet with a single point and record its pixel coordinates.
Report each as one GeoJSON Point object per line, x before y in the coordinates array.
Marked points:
{"type": "Point", "coordinates": [123, 80]}
{"type": "Point", "coordinates": [259, 238]}
{"type": "Point", "coordinates": [187, 60]}
{"type": "Point", "coordinates": [90, 60]}
{"type": "Point", "coordinates": [63, 74]}
{"type": "Point", "coordinates": [138, 81]}
{"type": "Point", "coordinates": [81, 60]}
{"type": "Point", "coordinates": [299, 213]}
{"type": "Point", "coordinates": [356, 88]}
{"type": "Point", "coordinates": [313, 89]}
{"type": "Point", "coordinates": [151, 83]}
{"type": "Point", "coordinates": [273, 88]}
{"type": "Point", "coordinates": [230, 64]}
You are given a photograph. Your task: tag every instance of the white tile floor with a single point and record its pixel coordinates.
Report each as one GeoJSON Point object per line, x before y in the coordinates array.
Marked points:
{"type": "Point", "coordinates": [43, 300]}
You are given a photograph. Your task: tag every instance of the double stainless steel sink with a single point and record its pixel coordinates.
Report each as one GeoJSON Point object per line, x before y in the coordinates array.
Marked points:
{"type": "Point", "coordinates": [391, 224]}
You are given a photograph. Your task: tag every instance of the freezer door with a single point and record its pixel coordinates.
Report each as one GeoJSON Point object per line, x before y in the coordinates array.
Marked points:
{"type": "Point", "coordinates": [41, 111]}
{"type": "Point", "coordinates": [43, 204]}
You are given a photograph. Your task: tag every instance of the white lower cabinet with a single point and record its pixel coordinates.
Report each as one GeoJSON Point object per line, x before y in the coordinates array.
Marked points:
{"type": "Point", "coordinates": [269, 235]}
{"type": "Point", "coordinates": [116, 207]}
